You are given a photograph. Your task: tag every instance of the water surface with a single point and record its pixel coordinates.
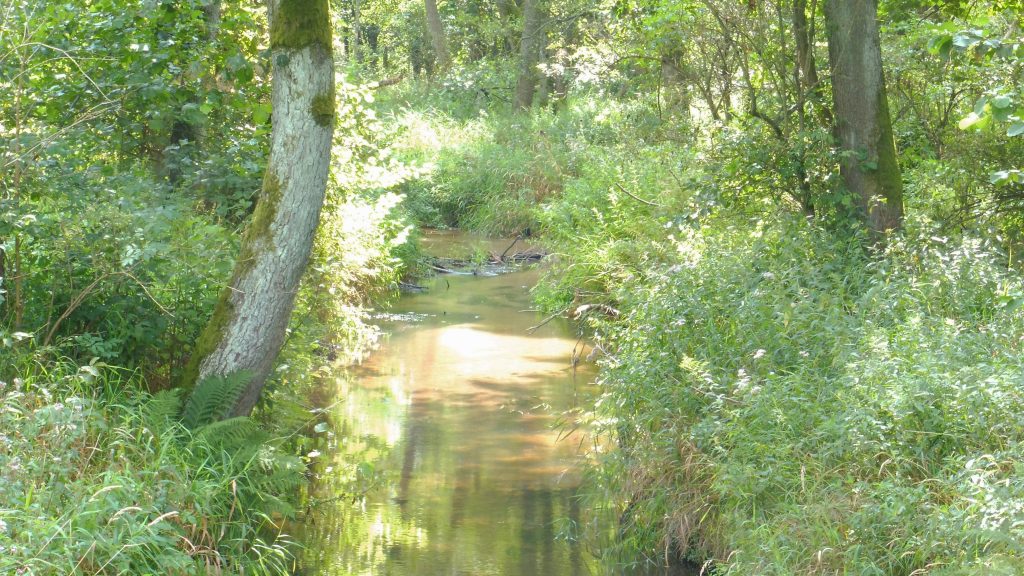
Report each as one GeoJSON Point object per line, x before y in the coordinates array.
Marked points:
{"type": "Point", "coordinates": [458, 407]}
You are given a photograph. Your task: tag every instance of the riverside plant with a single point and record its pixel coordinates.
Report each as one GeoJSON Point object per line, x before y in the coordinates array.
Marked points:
{"type": "Point", "coordinates": [788, 402]}
{"type": "Point", "coordinates": [96, 479]}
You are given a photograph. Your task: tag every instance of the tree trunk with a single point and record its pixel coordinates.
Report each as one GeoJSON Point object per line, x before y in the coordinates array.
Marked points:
{"type": "Point", "coordinates": [355, 54]}
{"type": "Point", "coordinates": [436, 29]}
{"type": "Point", "coordinates": [529, 53]}
{"type": "Point", "coordinates": [863, 127]}
{"type": "Point", "coordinates": [506, 11]}
{"type": "Point", "coordinates": [211, 20]}
{"type": "Point", "coordinates": [807, 67]}
{"type": "Point", "coordinates": [249, 322]}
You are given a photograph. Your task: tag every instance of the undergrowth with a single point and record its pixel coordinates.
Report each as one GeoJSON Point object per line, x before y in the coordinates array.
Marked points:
{"type": "Point", "coordinates": [99, 477]}
{"type": "Point", "coordinates": [786, 402]}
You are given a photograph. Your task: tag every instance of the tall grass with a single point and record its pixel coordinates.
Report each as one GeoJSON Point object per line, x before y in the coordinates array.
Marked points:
{"type": "Point", "coordinates": [93, 481]}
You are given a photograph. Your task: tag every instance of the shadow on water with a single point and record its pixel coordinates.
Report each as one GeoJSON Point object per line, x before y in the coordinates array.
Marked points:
{"type": "Point", "coordinates": [458, 408]}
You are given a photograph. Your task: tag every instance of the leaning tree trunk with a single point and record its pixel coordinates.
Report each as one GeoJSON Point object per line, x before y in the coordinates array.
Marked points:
{"type": "Point", "coordinates": [249, 322]}
{"type": "Point", "coordinates": [529, 53]}
{"type": "Point", "coordinates": [436, 29]}
{"type": "Point", "coordinates": [863, 127]}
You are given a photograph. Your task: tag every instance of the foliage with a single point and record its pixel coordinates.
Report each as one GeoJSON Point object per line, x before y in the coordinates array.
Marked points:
{"type": "Point", "coordinates": [776, 396]}
{"type": "Point", "coordinates": [132, 137]}
{"type": "Point", "coordinates": [97, 478]}
{"type": "Point", "coordinates": [121, 281]}
{"type": "Point", "coordinates": [785, 402]}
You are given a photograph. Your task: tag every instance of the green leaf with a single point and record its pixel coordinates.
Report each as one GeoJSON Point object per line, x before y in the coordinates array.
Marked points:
{"type": "Point", "coordinates": [941, 45]}
{"type": "Point", "coordinates": [1002, 101]}
{"type": "Point", "coordinates": [261, 113]}
{"type": "Point", "coordinates": [979, 106]}
{"type": "Point", "coordinates": [1004, 177]}
{"type": "Point", "coordinates": [244, 74]}
{"type": "Point", "coordinates": [1015, 129]}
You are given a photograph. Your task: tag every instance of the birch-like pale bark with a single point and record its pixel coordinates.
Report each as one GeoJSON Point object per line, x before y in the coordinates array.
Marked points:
{"type": "Point", "coordinates": [436, 29]}
{"type": "Point", "coordinates": [249, 322]}
{"type": "Point", "coordinates": [863, 127]}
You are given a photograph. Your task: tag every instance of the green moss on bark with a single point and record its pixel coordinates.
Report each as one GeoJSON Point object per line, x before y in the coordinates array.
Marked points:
{"type": "Point", "coordinates": [256, 234]}
{"type": "Point", "coordinates": [210, 338]}
{"type": "Point", "coordinates": [259, 228]}
{"type": "Point", "coordinates": [301, 23]}
{"type": "Point", "coordinates": [323, 109]}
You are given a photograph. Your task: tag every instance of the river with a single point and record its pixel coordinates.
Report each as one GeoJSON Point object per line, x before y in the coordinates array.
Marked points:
{"type": "Point", "coordinates": [457, 412]}
{"type": "Point", "coordinates": [449, 455]}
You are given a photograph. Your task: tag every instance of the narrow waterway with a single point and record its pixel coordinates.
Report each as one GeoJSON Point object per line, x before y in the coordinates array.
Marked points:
{"type": "Point", "coordinates": [456, 413]}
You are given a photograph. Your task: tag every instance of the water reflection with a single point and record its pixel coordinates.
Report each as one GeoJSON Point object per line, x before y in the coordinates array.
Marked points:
{"type": "Point", "coordinates": [458, 407]}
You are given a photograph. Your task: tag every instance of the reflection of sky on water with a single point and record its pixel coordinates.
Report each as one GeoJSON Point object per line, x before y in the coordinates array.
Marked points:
{"type": "Point", "coordinates": [458, 405]}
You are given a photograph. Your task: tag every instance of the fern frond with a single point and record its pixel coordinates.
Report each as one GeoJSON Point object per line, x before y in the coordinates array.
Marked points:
{"type": "Point", "coordinates": [233, 435]}
{"type": "Point", "coordinates": [161, 408]}
{"type": "Point", "coordinates": [273, 506]}
{"type": "Point", "coordinates": [213, 398]}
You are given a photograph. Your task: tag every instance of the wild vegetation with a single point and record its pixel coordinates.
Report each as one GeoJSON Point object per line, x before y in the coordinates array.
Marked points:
{"type": "Point", "coordinates": [800, 278]}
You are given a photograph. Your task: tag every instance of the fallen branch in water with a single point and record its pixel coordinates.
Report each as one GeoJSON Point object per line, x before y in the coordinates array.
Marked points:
{"type": "Point", "coordinates": [532, 329]}
{"type": "Point", "coordinates": [502, 257]}
{"type": "Point", "coordinates": [603, 308]}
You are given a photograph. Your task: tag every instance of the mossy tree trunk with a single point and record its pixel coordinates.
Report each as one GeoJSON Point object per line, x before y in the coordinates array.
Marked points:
{"type": "Point", "coordinates": [249, 322]}
{"type": "Point", "coordinates": [436, 29]}
{"type": "Point", "coordinates": [529, 53]}
{"type": "Point", "coordinates": [868, 152]}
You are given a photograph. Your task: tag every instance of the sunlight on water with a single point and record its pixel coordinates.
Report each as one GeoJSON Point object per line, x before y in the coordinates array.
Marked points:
{"type": "Point", "coordinates": [458, 409]}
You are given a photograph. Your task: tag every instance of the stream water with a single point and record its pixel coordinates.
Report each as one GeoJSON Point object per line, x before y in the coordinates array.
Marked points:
{"type": "Point", "coordinates": [456, 410]}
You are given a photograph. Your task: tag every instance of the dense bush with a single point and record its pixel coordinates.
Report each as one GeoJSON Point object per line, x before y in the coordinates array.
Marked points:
{"type": "Point", "coordinates": [131, 277]}
{"type": "Point", "coordinates": [786, 402]}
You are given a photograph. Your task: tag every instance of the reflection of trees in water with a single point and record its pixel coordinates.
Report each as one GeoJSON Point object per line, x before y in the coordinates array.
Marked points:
{"type": "Point", "coordinates": [476, 482]}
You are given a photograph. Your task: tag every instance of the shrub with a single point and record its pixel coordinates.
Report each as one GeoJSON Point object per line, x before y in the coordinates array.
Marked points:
{"type": "Point", "coordinates": [786, 402]}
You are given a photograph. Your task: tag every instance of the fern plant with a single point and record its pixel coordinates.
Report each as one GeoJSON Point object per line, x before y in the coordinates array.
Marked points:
{"type": "Point", "coordinates": [161, 410]}
{"type": "Point", "coordinates": [267, 476]}
{"type": "Point", "coordinates": [213, 398]}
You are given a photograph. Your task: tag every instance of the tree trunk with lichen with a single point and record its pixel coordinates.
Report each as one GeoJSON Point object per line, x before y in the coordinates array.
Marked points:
{"type": "Point", "coordinates": [868, 152]}
{"type": "Point", "coordinates": [248, 325]}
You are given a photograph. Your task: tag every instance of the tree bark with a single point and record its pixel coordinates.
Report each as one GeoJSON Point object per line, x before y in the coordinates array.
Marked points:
{"type": "Point", "coordinates": [529, 53]}
{"type": "Point", "coordinates": [249, 322]}
{"type": "Point", "coordinates": [211, 20]}
{"type": "Point", "coordinates": [807, 68]}
{"type": "Point", "coordinates": [436, 29]}
{"type": "Point", "coordinates": [863, 127]}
